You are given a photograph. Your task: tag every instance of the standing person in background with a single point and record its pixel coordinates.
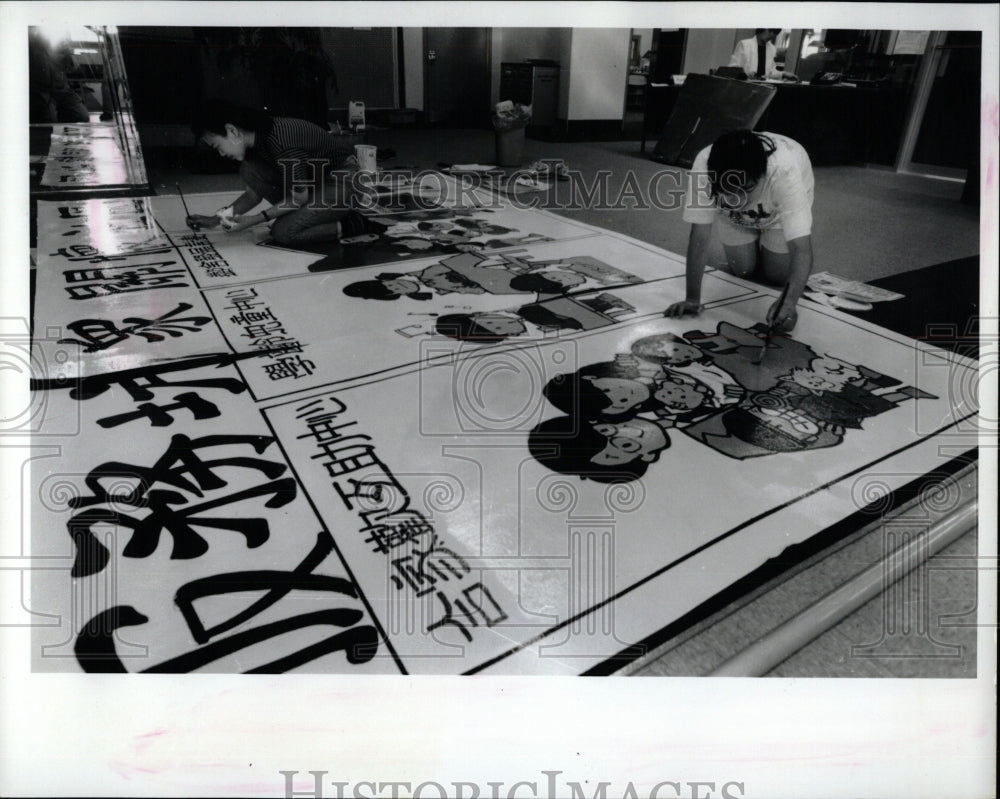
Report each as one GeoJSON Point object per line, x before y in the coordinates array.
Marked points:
{"type": "Point", "coordinates": [757, 189]}
{"type": "Point", "coordinates": [50, 96]}
{"type": "Point", "coordinates": [755, 55]}
{"type": "Point", "coordinates": [300, 168]}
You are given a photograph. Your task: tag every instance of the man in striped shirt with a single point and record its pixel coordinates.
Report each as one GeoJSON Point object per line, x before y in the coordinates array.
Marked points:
{"type": "Point", "coordinates": [302, 170]}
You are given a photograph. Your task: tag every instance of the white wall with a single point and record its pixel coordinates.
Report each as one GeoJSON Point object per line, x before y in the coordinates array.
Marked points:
{"type": "Point", "coordinates": [413, 67]}
{"type": "Point", "coordinates": [598, 71]}
{"type": "Point", "coordinates": [593, 66]}
{"type": "Point", "coordinates": [521, 44]}
{"type": "Point", "coordinates": [708, 48]}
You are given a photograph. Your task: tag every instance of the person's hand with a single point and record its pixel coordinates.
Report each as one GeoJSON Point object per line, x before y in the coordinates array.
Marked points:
{"type": "Point", "coordinates": [683, 308]}
{"type": "Point", "coordinates": [233, 224]}
{"type": "Point", "coordinates": [783, 320]}
{"type": "Point", "coordinates": [199, 221]}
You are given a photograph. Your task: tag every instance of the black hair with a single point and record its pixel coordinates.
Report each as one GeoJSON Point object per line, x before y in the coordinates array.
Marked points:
{"type": "Point", "coordinates": [737, 158]}
{"type": "Point", "coordinates": [640, 349]}
{"type": "Point", "coordinates": [534, 281]}
{"type": "Point", "coordinates": [538, 314]}
{"type": "Point", "coordinates": [566, 445]}
{"type": "Point", "coordinates": [377, 290]}
{"type": "Point", "coordinates": [574, 394]}
{"type": "Point", "coordinates": [459, 279]}
{"type": "Point", "coordinates": [463, 327]}
{"type": "Point", "coordinates": [214, 115]}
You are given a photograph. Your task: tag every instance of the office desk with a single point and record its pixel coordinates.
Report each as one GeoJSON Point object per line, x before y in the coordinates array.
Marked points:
{"type": "Point", "coordinates": [836, 124]}
{"type": "Point", "coordinates": [839, 124]}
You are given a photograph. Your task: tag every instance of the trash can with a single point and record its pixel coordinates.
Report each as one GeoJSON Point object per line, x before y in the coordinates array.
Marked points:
{"type": "Point", "coordinates": [510, 146]}
{"type": "Point", "coordinates": [509, 122]}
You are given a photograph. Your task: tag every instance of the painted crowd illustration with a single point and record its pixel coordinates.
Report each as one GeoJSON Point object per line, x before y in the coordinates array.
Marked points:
{"type": "Point", "coordinates": [550, 282]}
{"type": "Point", "coordinates": [619, 414]}
{"type": "Point", "coordinates": [418, 234]}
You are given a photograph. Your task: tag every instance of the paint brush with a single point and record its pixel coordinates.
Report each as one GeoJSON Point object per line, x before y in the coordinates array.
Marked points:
{"type": "Point", "coordinates": [770, 328]}
{"type": "Point", "coordinates": [187, 213]}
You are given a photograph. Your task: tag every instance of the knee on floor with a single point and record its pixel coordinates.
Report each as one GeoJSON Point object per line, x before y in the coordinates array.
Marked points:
{"type": "Point", "coordinates": [283, 233]}
{"type": "Point", "coordinates": [740, 268]}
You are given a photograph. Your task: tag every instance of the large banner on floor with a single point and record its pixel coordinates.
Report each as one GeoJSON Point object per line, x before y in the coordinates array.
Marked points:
{"type": "Point", "coordinates": [114, 293]}
{"type": "Point", "coordinates": [94, 155]}
{"type": "Point", "coordinates": [301, 474]}
{"type": "Point", "coordinates": [446, 220]}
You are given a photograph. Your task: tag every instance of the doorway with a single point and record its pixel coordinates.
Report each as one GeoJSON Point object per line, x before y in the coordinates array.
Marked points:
{"type": "Point", "coordinates": [942, 138]}
{"type": "Point", "coordinates": [457, 77]}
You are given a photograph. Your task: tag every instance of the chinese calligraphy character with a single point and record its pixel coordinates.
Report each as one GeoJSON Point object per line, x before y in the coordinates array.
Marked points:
{"type": "Point", "coordinates": [182, 469]}
{"type": "Point", "coordinates": [99, 334]}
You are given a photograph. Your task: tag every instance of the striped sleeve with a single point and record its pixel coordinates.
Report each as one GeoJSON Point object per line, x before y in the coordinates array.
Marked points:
{"type": "Point", "coordinates": [300, 148]}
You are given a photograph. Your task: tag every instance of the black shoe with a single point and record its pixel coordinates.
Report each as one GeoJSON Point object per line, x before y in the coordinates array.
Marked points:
{"type": "Point", "coordinates": [357, 224]}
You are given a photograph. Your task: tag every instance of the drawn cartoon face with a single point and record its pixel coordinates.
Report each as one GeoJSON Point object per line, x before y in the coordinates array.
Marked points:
{"type": "Point", "coordinates": [400, 286]}
{"type": "Point", "coordinates": [416, 244]}
{"type": "Point", "coordinates": [564, 279]}
{"type": "Point", "coordinates": [678, 395]}
{"type": "Point", "coordinates": [838, 372]}
{"type": "Point", "coordinates": [813, 381]}
{"type": "Point", "coordinates": [621, 392]}
{"type": "Point", "coordinates": [451, 282]}
{"type": "Point", "coordinates": [788, 421]}
{"type": "Point", "coordinates": [669, 349]}
{"type": "Point", "coordinates": [500, 324]}
{"type": "Point", "coordinates": [628, 441]}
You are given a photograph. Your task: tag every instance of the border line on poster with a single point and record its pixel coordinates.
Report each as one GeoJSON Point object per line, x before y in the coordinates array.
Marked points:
{"type": "Point", "coordinates": [322, 521]}
{"type": "Point", "coordinates": [409, 368]}
{"type": "Point", "coordinates": [629, 659]}
{"type": "Point", "coordinates": [703, 547]}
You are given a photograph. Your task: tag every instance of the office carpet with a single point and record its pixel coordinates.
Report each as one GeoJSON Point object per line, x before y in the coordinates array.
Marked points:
{"type": "Point", "coordinates": [867, 223]}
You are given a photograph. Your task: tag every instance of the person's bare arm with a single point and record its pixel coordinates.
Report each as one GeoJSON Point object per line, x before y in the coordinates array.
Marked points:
{"type": "Point", "coordinates": [799, 269]}
{"type": "Point", "coordinates": [697, 252]}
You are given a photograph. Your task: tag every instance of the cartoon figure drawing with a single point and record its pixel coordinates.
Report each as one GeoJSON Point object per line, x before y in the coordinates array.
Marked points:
{"type": "Point", "coordinates": [444, 230]}
{"type": "Point", "coordinates": [618, 414]}
{"type": "Point", "coordinates": [474, 273]}
{"type": "Point", "coordinates": [561, 313]}
{"type": "Point", "coordinates": [485, 328]}
{"type": "Point", "coordinates": [605, 452]}
{"type": "Point", "coordinates": [416, 233]}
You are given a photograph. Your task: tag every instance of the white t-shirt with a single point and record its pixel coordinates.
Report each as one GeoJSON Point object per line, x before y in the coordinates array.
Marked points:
{"type": "Point", "coordinates": [745, 57]}
{"type": "Point", "coordinates": [782, 199]}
